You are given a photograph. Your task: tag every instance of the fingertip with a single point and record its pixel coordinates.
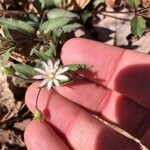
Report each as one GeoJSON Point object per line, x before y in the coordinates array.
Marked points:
{"type": "Point", "coordinates": [39, 135]}
{"type": "Point", "coordinates": [31, 136]}
{"type": "Point", "coordinates": [145, 138]}
{"type": "Point", "coordinates": [68, 48]}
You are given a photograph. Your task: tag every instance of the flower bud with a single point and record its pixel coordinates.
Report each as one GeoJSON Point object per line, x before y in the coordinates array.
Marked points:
{"type": "Point", "coordinates": [38, 115]}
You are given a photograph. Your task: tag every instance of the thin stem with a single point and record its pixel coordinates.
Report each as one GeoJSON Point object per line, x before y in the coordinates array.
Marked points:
{"type": "Point", "coordinates": [126, 12]}
{"type": "Point", "coordinates": [107, 15]}
{"type": "Point", "coordinates": [15, 12]}
{"type": "Point", "coordinates": [143, 15]}
{"type": "Point", "coordinates": [113, 12]}
{"type": "Point", "coordinates": [143, 9]}
{"type": "Point", "coordinates": [43, 17]}
{"type": "Point", "coordinates": [36, 103]}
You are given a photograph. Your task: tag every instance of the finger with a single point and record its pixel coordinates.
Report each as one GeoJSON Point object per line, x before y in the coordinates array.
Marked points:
{"type": "Point", "coordinates": [40, 136]}
{"type": "Point", "coordinates": [126, 72]}
{"type": "Point", "coordinates": [145, 139]}
{"type": "Point", "coordinates": [82, 130]}
{"type": "Point", "coordinates": [111, 105]}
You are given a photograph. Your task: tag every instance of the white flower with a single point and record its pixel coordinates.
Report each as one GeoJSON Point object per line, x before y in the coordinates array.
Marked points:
{"type": "Point", "coordinates": [51, 74]}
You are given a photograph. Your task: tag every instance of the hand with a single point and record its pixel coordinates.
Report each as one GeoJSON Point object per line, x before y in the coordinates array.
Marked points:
{"type": "Point", "coordinates": [116, 88]}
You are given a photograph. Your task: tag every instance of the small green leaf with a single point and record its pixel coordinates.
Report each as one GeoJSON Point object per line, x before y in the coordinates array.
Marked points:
{"type": "Point", "coordinates": [77, 67]}
{"type": "Point", "coordinates": [39, 4]}
{"type": "Point", "coordinates": [67, 29]}
{"type": "Point", "coordinates": [6, 32]}
{"type": "Point", "coordinates": [54, 24]}
{"type": "Point", "coordinates": [70, 27]}
{"type": "Point", "coordinates": [57, 3]}
{"type": "Point", "coordinates": [58, 12]}
{"type": "Point", "coordinates": [18, 25]}
{"type": "Point", "coordinates": [138, 25]}
{"type": "Point", "coordinates": [49, 3]}
{"type": "Point", "coordinates": [62, 83]}
{"type": "Point", "coordinates": [25, 70]}
{"type": "Point", "coordinates": [6, 71]}
{"type": "Point", "coordinates": [134, 3]}
{"type": "Point", "coordinates": [51, 52]}
{"type": "Point", "coordinates": [6, 56]}
{"type": "Point", "coordinates": [98, 2]}
{"type": "Point", "coordinates": [31, 19]}
{"type": "Point", "coordinates": [41, 55]}
{"type": "Point", "coordinates": [85, 16]}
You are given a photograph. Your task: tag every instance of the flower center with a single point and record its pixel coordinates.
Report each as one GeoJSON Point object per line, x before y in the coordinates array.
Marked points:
{"type": "Point", "coordinates": [51, 76]}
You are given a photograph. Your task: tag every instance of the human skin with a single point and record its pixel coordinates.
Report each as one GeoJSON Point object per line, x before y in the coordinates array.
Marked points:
{"type": "Point", "coordinates": [115, 88]}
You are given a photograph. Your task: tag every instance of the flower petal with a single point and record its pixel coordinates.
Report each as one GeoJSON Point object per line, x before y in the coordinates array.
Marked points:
{"type": "Point", "coordinates": [56, 65]}
{"type": "Point", "coordinates": [44, 82]}
{"type": "Point", "coordinates": [61, 77]}
{"type": "Point", "coordinates": [40, 71]}
{"type": "Point", "coordinates": [46, 67]}
{"type": "Point", "coordinates": [49, 85]}
{"type": "Point", "coordinates": [38, 77]}
{"type": "Point", "coordinates": [50, 65]}
{"type": "Point", "coordinates": [56, 82]}
{"type": "Point", "coordinates": [62, 70]}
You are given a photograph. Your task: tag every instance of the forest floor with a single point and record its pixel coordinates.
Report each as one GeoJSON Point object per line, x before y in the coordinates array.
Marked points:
{"type": "Point", "coordinates": [112, 29]}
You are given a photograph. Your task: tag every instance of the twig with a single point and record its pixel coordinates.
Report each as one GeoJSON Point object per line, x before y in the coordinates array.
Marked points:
{"type": "Point", "coordinates": [5, 12]}
{"type": "Point", "coordinates": [143, 9]}
{"type": "Point", "coordinates": [115, 17]}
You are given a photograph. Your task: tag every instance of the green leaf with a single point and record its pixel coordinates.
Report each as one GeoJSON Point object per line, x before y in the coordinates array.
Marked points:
{"type": "Point", "coordinates": [18, 25]}
{"type": "Point", "coordinates": [57, 3]}
{"type": "Point", "coordinates": [41, 55]}
{"type": "Point", "coordinates": [62, 83]}
{"type": "Point", "coordinates": [6, 33]}
{"type": "Point", "coordinates": [138, 25]}
{"type": "Point", "coordinates": [6, 71]}
{"type": "Point", "coordinates": [134, 3]}
{"type": "Point", "coordinates": [49, 3]}
{"type": "Point", "coordinates": [51, 52]}
{"type": "Point", "coordinates": [58, 12]}
{"type": "Point", "coordinates": [98, 2]}
{"type": "Point", "coordinates": [31, 19]}
{"type": "Point", "coordinates": [25, 70]}
{"type": "Point", "coordinates": [85, 16]}
{"type": "Point", "coordinates": [67, 29]}
{"type": "Point", "coordinates": [77, 67]}
{"type": "Point", "coordinates": [71, 27]}
{"type": "Point", "coordinates": [39, 4]}
{"type": "Point", "coordinates": [54, 24]}
{"type": "Point", "coordinates": [6, 56]}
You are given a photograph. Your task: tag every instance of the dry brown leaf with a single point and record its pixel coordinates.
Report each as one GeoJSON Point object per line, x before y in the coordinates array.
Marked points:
{"type": "Point", "coordinates": [75, 4]}
{"type": "Point", "coordinates": [146, 3]}
{"type": "Point", "coordinates": [110, 3]}
{"type": "Point", "coordinates": [114, 3]}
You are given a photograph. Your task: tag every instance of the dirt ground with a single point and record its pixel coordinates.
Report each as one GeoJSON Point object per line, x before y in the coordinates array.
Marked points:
{"type": "Point", "coordinates": [14, 115]}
